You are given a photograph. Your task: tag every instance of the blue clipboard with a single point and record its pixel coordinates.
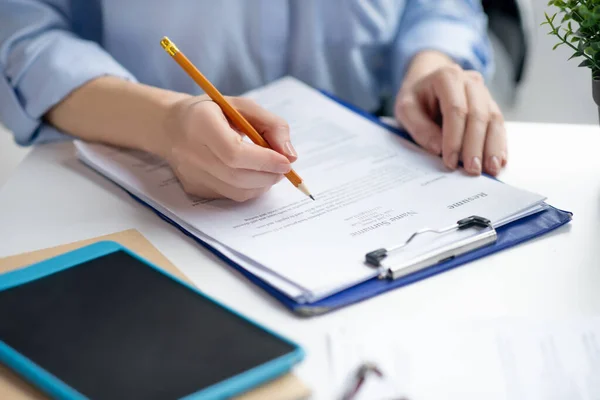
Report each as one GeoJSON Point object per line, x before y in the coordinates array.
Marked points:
{"type": "Point", "coordinates": [508, 235]}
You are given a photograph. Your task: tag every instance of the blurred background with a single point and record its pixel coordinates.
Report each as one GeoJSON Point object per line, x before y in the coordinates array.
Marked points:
{"type": "Point", "coordinates": [532, 82]}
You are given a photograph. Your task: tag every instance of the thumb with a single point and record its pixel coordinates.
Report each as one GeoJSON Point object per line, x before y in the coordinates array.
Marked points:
{"type": "Point", "coordinates": [273, 128]}
{"type": "Point", "coordinates": [419, 124]}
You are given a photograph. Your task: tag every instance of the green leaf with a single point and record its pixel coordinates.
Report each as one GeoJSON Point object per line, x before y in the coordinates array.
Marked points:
{"type": "Point", "coordinates": [585, 63]}
{"type": "Point", "coordinates": [576, 54]}
{"type": "Point", "coordinates": [575, 39]}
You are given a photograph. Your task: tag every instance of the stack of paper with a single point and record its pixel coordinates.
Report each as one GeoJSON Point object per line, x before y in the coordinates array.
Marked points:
{"type": "Point", "coordinates": [372, 189]}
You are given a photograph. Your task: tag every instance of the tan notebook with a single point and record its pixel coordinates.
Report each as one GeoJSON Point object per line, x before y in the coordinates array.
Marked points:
{"type": "Point", "coordinates": [288, 387]}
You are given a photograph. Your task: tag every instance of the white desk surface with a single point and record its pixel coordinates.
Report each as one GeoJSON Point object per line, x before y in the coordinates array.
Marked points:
{"type": "Point", "coordinates": [52, 199]}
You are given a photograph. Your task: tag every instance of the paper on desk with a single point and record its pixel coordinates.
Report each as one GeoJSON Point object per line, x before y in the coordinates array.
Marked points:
{"type": "Point", "coordinates": [511, 359]}
{"type": "Point", "coordinates": [372, 188]}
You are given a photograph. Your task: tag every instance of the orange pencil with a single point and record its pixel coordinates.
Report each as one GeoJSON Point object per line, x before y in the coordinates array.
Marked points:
{"type": "Point", "coordinates": [227, 108]}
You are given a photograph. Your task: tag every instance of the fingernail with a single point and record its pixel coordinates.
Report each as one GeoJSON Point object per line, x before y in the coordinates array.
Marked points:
{"type": "Point", "coordinates": [453, 160]}
{"type": "Point", "coordinates": [475, 165]}
{"type": "Point", "coordinates": [494, 165]}
{"type": "Point", "coordinates": [289, 149]}
{"type": "Point", "coordinates": [435, 146]}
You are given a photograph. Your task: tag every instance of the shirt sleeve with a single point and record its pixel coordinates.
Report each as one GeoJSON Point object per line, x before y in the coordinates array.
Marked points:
{"type": "Point", "coordinates": [457, 28]}
{"type": "Point", "coordinates": [41, 62]}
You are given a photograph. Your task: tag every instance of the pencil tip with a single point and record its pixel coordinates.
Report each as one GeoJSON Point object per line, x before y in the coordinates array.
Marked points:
{"type": "Point", "coordinates": [302, 187]}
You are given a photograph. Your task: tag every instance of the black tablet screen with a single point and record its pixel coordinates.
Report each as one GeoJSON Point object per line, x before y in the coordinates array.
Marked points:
{"type": "Point", "coordinates": [115, 328]}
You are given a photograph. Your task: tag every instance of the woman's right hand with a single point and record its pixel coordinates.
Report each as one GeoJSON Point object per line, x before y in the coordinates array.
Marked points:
{"type": "Point", "coordinates": [212, 160]}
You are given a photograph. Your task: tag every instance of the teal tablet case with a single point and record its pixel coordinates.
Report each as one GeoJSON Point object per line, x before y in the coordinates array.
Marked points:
{"type": "Point", "coordinates": [61, 390]}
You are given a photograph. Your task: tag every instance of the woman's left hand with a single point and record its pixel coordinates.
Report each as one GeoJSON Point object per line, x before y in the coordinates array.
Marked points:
{"type": "Point", "coordinates": [449, 111]}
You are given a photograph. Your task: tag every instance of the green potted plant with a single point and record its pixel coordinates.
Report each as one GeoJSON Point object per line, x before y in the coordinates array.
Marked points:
{"type": "Point", "coordinates": [576, 24]}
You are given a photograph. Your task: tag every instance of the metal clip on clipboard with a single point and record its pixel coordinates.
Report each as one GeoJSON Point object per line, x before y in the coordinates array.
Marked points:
{"type": "Point", "coordinates": [485, 236]}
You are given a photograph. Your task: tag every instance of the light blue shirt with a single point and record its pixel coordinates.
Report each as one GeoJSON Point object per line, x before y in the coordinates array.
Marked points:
{"type": "Point", "coordinates": [355, 49]}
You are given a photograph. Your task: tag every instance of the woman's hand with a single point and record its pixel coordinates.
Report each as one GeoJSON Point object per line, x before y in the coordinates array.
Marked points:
{"type": "Point", "coordinates": [211, 158]}
{"type": "Point", "coordinates": [207, 154]}
{"type": "Point", "coordinates": [437, 92]}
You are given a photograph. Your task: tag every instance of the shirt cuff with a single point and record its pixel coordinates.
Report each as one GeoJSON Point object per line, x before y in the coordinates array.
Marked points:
{"type": "Point", "coordinates": [466, 44]}
{"type": "Point", "coordinates": [62, 63]}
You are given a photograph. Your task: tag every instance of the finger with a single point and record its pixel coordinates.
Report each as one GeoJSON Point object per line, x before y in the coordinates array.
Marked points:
{"type": "Point", "coordinates": [238, 178]}
{"type": "Point", "coordinates": [196, 186]}
{"type": "Point", "coordinates": [477, 123]}
{"type": "Point", "coordinates": [247, 179]}
{"type": "Point", "coordinates": [495, 151]}
{"type": "Point", "coordinates": [449, 87]}
{"type": "Point", "coordinates": [421, 127]}
{"type": "Point", "coordinates": [208, 186]}
{"type": "Point", "coordinates": [242, 195]}
{"type": "Point", "coordinates": [232, 150]}
{"type": "Point", "coordinates": [272, 127]}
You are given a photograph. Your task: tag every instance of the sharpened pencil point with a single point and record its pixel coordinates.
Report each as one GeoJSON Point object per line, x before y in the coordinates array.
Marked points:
{"type": "Point", "coordinates": [302, 187]}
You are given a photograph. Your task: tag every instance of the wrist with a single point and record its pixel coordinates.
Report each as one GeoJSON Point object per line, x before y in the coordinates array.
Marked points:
{"type": "Point", "coordinates": [167, 109]}
{"type": "Point", "coordinates": [424, 63]}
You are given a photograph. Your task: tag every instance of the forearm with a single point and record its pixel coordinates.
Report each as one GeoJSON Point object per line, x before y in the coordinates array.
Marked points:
{"type": "Point", "coordinates": [115, 111]}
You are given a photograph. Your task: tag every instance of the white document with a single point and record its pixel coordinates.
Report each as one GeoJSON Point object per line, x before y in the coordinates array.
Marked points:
{"type": "Point", "coordinates": [144, 176]}
{"type": "Point", "coordinates": [494, 360]}
{"type": "Point", "coordinates": [372, 189]}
